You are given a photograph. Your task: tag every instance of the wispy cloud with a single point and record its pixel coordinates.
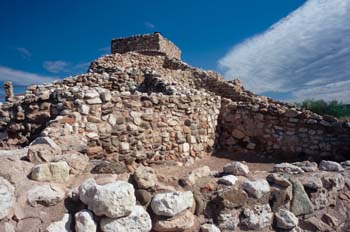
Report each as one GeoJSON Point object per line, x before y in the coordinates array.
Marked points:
{"type": "Point", "coordinates": [105, 50]}
{"type": "Point", "coordinates": [149, 25]}
{"type": "Point", "coordinates": [25, 53]}
{"type": "Point", "coordinates": [65, 68]}
{"type": "Point", "coordinates": [56, 66]}
{"type": "Point", "coordinates": [307, 54]}
{"type": "Point", "coordinates": [23, 78]}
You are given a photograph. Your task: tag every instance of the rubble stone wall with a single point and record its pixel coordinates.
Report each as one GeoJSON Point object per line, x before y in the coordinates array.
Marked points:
{"type": "Point", "coordinates": [243, 125]}
{"type": "Point", "coordinates": [146, 43]}
{"type": "Point", "coordinates": [140, 126]}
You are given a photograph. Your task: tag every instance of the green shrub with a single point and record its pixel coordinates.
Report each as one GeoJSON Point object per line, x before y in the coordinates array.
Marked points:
{"type": "Point", "coordinates": [333, 108]}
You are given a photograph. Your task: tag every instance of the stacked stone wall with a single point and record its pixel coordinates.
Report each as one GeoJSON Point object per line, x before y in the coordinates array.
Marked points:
{"type": "Point", "coordinates": [287, 132]}
{"type": "Point", "coordinates": [146, 43]}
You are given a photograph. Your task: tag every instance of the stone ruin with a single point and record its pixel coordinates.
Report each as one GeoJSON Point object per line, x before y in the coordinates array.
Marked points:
{"type": "Point", "coordinates": [142, 102]}
{"type": "Point", "coordinates": [82, 154]}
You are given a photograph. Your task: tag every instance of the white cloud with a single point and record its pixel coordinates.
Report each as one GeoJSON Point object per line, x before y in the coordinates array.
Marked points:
{"type": "Point", "coordinates": [25, 53]}
{"type": "Point", "coordinates": [149, 25]}
{"type": "Point", "coordinates": [306, 54]}
{"type": "Point", "coordinates": [56, 66]}
{"type": "Point", "coordinates": [22, 78]}
{"type": "Point", "coordinates": [105, 50]}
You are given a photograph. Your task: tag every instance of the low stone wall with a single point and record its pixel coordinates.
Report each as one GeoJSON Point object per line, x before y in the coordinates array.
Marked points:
{"type": "Point", "coordinates": [151, 127]}
{"type": "Point", "coordinates": [137, 126]}
{"type": "Point", "coordinates": [289, 132]}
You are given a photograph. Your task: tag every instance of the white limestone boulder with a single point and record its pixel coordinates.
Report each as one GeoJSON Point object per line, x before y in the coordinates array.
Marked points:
{"type": "Point", "coordinates": [145, 177]}
{"type": "Point", "coordinates": [113, 200]}
{"type": "Point", "coordinates": [7, 197]}
{"type": "Point", "coordinates": [285, 219]}
{"type": "Point", "coordinates": [63, 225]}
{"type": "Point", "coordinates": [51, 172]}
{"type": "Point", "coordinates": [258, 217]}
{"type": "Point", "coordinates": [256, 188]}
{"type": "Point", "coordinates": [236, 168]}
{"type": "Point", "coordinates": [331, 166]}
{"type": "Point", "coordinates": [170, 204]}
{"type": "Point", "coordinates": [44, 195]}
{"type": "Point", "coordinates": [138, 221]}
{"type": "Point", "coordinates": [84, 221]}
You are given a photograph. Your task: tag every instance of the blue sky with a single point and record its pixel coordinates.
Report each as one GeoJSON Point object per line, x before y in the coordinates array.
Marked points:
{"type": "Point", "coordinates": [44, 40]}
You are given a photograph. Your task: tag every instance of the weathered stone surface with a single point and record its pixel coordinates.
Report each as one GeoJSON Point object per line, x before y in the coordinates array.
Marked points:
{"type": "Point", "coordinates": [41, 153]}
{"type": "Point", "coordinates": [7, 197]}
{"type": "Point", "coordinates": [333, 181]}
{"type": "Point", "coordinates": [196, 174]}
{"type": "Point", "coordinates": [311, 182]}
{"type": "Point", "coordinates": [209, 228]}
{"type": "Point", "coordinates": [113, 200]}
{"type": "Point", "coordinates": [181, 222]}
{"type": "Point", "coordinates": [278, 180]}
{"type": "Point", "coordinates": [330, 166]}
{"type": "Point", "coordinates": [143, 196]}
{"type": "Point", "coordinates": [258, 217]}
{"type": "Point", "coordinates": [300, 204]}
{"type": "Point", "coordinates": [63, 225]}
{"type": "Point", "coordinates": [288, 168]}
{"type": "Point", "coordinates": [138, 220]}
{"type": "Point", "coordinates": [87, 191]}
{"type": "Point", "coordinates": [228, 180]}
{"type": "Point", "coordinates": [236, 168]}
{"type": "Point", "coordinates": [77, 162]}
{"type": "Point", "coordinates": [285, 219]}
{"type": "Point", "coordinates": [228, 221]}
{"type": "Point", "coordinates": [18, 172]}
{"type": "Point", "coordinates": [257, 188]}
{"type": "Point", "coordinates": [84, 221]}
{"type": "Point", "coordinates": [47, 195]}
{"type": "Point", "coordinates": [52, 172]}
{"type": "Point", "coordinates": [145, 177]}
{"type": "Point", "coordinates": [307, 166]}
{"type": "Point", "coordinates": [234, 197]}
{"type": "Point", "coordinates": [170, 204]}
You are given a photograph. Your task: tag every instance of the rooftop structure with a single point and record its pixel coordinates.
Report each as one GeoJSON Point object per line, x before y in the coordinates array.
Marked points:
{"type": "Point", "coordinates": [151, 44]}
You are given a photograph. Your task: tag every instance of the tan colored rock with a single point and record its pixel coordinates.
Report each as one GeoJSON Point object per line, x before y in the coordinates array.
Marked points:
{"type": "Point", "coordinates": [145, 177]}
{"type": "Point", "coordinates": [51, 172]}
{"type": "Point", "coordinates": [181, 222]}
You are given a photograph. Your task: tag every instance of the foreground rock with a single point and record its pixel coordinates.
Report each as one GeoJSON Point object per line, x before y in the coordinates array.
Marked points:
{"type": "Point", "coordinates": [181, 222]}
{"type": "Point", "coordinates": [286, 219]}
{"type": "Point", "coordinates": [236, 168]}
{"type": "Point", "coordinates": [170, 204]}
{"type": "Point", "coordinates": [300, 204]}
{"type": "Point", "coordinates": [288, 168]}
{"type": "Point", "coordinates": [63, 225]}
{"type": "Point", "coordinates": [330, 166]}
{"type": "Point", "coordinates": [228, 180]}
{"type": "Point", "coordinates": [196, 174]}
{"type": "Point", "coordinates": [257, 188]}
{"type": "Point", "coordinates": [45, 195]}
{"type": "Point", "coordinates": [87, 191]}
{"type": "Point", "coordinates": [209, 228]}
{"type": "Point", "coordinates": [84, 221]}
{"type": "Point", "coordinates": [258, 217]}
{"type": "Point", "coordinates": [138, 220]}
{"type": "Point", "coordinates": [113, 200]}
{"type": "Point", "coordinates": [51, 172]}
{"type": "Point", "coordinates": [145, 177]}
{"type": "Point", "coordinates": [7, 197]}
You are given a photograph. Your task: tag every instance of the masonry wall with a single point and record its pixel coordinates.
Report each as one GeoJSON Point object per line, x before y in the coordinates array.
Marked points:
{"type": "Point", "coordinates": [139, 127]}
{"type": "Point", "coordinates": [291, 132]}
{"type": "Point", "coordinates": [146, 43]}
